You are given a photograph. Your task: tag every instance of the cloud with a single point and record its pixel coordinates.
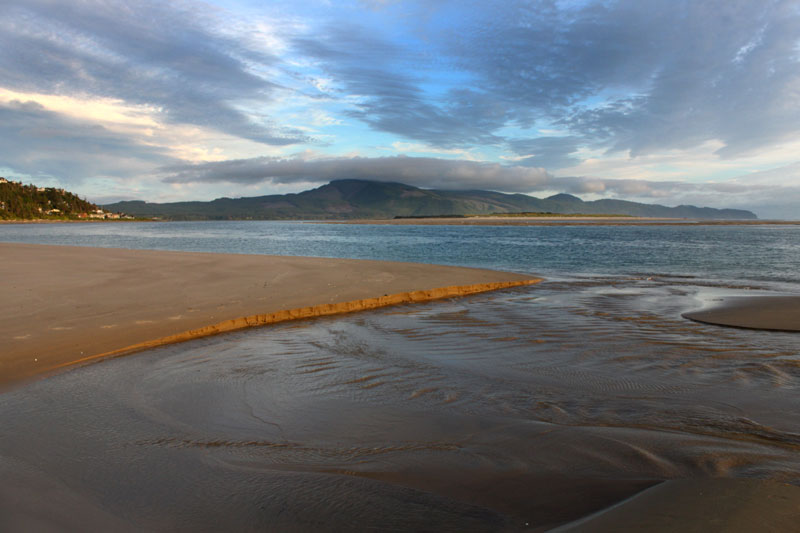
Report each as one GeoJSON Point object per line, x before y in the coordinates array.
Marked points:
{"type": "Point", "coordinates": [387, 83]}
{"type": "Point", "coordinates": [425, 172]}
{"type": "Point", "coordinates": [625, 75]}
{"type": "Point", "coordinates": [773, 193]}
{"type": "Point", "coordinates": [419, 171]}
{"type": "Point", "coordinates": [160, 54]}
{"type": "Point", "coordinates": [595, 89]}
{"type": "Point", "coordinates": [547, 152]}
{"type": "Point", "coordinates": [42, 143]}
{"type": "Point", "coordinates": [646, 76]}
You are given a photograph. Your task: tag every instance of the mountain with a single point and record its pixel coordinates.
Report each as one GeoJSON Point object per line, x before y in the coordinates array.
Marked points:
{"type": "Point", "coordinates": [29, 202]}
{"type": "Point", "coordinates": [343, 199]}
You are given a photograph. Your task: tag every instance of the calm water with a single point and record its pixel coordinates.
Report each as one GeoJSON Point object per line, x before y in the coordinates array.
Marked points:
{"type": "Point", "coordinates": [759, 253]}
{"type": "Point", "coordinates": [520, 409]}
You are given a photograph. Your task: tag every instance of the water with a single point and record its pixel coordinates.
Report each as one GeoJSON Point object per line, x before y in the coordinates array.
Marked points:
{"type": "Point", "coordinates": [513, 410]}
{"type": "Point", "coordinates": [760, 253]}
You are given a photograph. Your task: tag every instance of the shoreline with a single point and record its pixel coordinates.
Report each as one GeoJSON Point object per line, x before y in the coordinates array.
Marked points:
{"type": "Point", "coordinates": [471, 221]}
{"type": "Point", "coordinates": [72, 221]}
{"type": "Point", "coordinates": [67, 305]}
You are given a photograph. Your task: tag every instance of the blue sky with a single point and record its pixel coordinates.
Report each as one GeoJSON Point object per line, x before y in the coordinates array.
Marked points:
{"type": "Point", "coordinates": [660, 101]}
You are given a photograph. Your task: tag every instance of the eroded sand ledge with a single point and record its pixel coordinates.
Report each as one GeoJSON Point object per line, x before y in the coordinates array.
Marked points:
{"type": "Point", "coordinates": [63, 305]}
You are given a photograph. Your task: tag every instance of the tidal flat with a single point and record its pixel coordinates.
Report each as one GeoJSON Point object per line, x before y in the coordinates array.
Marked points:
{"type": "Point", "coordinates": [522, 409]}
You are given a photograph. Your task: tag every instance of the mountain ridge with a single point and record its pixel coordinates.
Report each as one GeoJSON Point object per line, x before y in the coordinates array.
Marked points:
{"type": "Point", "coordinates": [352, 198]}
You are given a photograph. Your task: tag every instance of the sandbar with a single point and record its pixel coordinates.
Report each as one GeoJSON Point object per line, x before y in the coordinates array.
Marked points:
{"type": "Point", "coordinates": [63, 305]}
{"type": "Point", "coordinates": [700, 506]}
{"type": "Point", "coordinates": [779, 313]}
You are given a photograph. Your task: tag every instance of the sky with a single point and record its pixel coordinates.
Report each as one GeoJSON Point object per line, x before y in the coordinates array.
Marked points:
{"type": "Point", "coordinates": [659, 101]}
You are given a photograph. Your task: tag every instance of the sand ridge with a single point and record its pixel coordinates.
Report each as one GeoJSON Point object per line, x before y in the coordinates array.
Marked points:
{"type": "Point", "coordinates": [63, 305]}
{"type": "Point", "coordinates": [313, 311]}
{"type": "Point", "coordinates": [700, 506]}
{"type": "Point", "coordinates": [776, 313]}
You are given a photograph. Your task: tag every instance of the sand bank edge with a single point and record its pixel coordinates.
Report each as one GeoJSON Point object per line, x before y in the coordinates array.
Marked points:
{"type": "Point", "coordinates": [300, 313]}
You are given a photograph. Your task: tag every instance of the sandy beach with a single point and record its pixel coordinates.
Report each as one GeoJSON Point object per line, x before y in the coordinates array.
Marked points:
{"type": "Point", "coordinates": [63, 305]}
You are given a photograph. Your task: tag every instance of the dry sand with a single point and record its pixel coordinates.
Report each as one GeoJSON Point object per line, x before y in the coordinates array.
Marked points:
{"type": "Point", "coordinates": [62, 305]}
{"type": "Point", "coordinates": [781, 313]}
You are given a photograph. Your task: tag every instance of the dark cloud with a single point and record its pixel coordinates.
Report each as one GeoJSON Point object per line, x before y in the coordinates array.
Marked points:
{"type": "Point", "coordinates": [626, 75]}
{"type": "Point", "coordinates": [420, 171]}
{"type": "Point", "coordinates": [155, 53]}
{"type": "Point", "coordinates": [543, 59]}
{"type": "Point", "coordinates": [391, 82]}
{"type": "Point", "coordinates": [425, 172]}
{"type": "Point", "coordinates": [38, 142]}
{"type": "Point", "coordinates": [687, 71]}
{"type": "Point", "coordinates": [726, 71]}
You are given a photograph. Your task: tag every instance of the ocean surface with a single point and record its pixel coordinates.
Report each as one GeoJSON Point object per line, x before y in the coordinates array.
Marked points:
{"type": "Point", "coordinates": [520, 409]}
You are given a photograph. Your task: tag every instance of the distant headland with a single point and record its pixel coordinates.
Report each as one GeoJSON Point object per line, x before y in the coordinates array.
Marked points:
{"type": "Point", "coordinates": [33, 203]}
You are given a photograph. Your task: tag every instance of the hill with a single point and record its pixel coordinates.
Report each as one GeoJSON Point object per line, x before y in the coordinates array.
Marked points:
{"type": "Point", "coordinates": [29, 202]}
{"type": "Point", "coordinates": [343, 199]}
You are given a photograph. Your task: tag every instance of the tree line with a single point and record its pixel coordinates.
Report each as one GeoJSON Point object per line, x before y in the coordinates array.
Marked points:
{"type": "Point", "coordinates": [28, 202]}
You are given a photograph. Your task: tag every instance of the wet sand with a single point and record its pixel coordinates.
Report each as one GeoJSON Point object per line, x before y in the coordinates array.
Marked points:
{"type": "Point", "coordinates": [700, 506]}
{"type": "Point", "coordinates": [432, 430]}
{"type": "Point", "coordinates": [778, 313]}
{"type": "Point", "coordinates": [526, 409]}
{"type": "Point", "coordinates": [63, 304]}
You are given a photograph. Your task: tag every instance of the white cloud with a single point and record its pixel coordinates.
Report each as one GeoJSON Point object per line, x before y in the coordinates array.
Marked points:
{"type": "Point", "coordinates": [405, 148]}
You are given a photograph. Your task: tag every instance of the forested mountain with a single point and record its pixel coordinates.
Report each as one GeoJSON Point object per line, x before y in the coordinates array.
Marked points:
{"type": "Point", "coordinates": [344, 199]}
